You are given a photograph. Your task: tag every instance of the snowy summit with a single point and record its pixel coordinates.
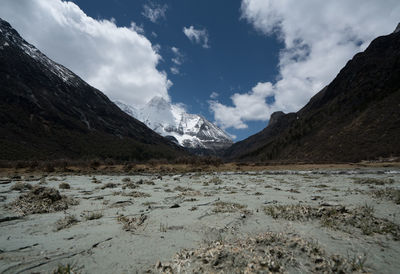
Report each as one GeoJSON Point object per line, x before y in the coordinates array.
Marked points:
{"type": "Point", "coordinates": [188, 130]}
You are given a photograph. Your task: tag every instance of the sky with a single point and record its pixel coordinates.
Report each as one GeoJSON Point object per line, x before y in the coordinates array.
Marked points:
{"type": "Point", "coordinates": [234, 62]}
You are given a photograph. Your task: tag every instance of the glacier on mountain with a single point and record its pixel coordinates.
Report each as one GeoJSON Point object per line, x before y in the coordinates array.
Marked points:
{"type": "Point", "coordinates": [188, 130]}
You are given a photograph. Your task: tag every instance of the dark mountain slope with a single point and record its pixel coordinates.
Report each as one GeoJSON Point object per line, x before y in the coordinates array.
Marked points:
{"type": "Point", "coordinates": [356, 117]}
{"type": "Point", "coordinates": [47, 112]}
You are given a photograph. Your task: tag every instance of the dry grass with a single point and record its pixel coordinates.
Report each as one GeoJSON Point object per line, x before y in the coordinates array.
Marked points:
{"type": "Point", "coordinates": [136, 194]}
{"type": "Point", "coordinates": [390, 194]}
{"type": "Point", "coordinates": [337, 217]}
{"type": "Point", "coordinates": [42, 200]}
{"type": "Point", "coordinates": [179, 166]}
{"type": "Point", "coordinates": [109, 185]}
{"type": "Point", "coordinates": [183, 189]}
{"type": "Point", "coordinates": [372, 181]}
{"type": "Point", "coordinates": [130, 185]}
{"type": "Point", "coordinates": [21, 186]}
{"type": "Point", "coordinates": [131, 223]}
{"type": "Point", "coordinates": [66, 222]}
{"type": "Point", "coordinates": [66, 269]}
{"type": "Point", "coordinates": [266, 253]}
{"type": "Point", "coordinates": [228, 207]}
{"type": "Point", "coordinates": [143, 182]}
{"type": "Point", "coordinates": [215, 181]}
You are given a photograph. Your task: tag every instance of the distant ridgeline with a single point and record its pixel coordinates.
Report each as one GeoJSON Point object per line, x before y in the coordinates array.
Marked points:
{"type": "Point", "coordinates": [356, 117]}
{"type": "Point", "coordinates": [47, 112]}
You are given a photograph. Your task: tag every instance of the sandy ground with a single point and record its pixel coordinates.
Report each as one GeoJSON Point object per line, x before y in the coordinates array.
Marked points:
{"type": "Point", "coordinates": [205, 221]}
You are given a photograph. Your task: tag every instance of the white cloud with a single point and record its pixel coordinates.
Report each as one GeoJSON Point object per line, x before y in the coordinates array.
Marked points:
{"type": "Point", "coordinates": [117, 60]}
{"type": "Point", "coordinates": [246, 107]}
{"type": "Point", "coordinates": [136, 28]}
{"type": "Point", "coordinates": [214, 95]}
{"type": "Point", "coordinates": [175, 50]}
{"type": "Point", "coordinates": [178, 56]}
{"type": "Point", "coordinates": [174, 70]}
{"type": "Point", "coordinates": [198, 36]}
{"type": "Point", "coordinates": [319, 38]}
{"type": "Point", "coordinates": [153, 11]}
{"type": "Point", "coordinates": [177, 60]}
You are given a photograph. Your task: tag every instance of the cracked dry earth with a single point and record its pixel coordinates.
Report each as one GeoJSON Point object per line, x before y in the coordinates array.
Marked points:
{"type": "Point", "coordinates": [319, 221]}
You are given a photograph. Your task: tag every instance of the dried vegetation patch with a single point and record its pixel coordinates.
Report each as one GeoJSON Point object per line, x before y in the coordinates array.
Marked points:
{"type": "Point", "coordinates": [66, 222]}
{"type": "Point", "coordinates": [130, 185]}
{"type": "Point", "coordinates": [372, 181]}
{"type": "Point", "coordinates": [92, 215]}
{"type": "Point", "coordinates": [64, 186]}
{"type": "Point", "coordinates": [109, 185]}
{"type": "Point", "coordinates": [266, 253]}
{"type": "Point", "coordinates": [136, 194]}
{"type": "Point", "coordinates": [388, 193]}
{"type": "Point", "coordinates": [66, 269]}
{"type": "Point", "coordinates": [20, 186]}
{"type": "Point", "coordinates": [132, 223]}
{"type": "Point", "coordinates": [183, 189]}
{"type": "Point", "coordinates": [229, 207]}
{"type": "Point", "coordinates": [215, 181]}
{"type": "Point", "coordinates": [337, 217]}
{"type": "Point", "coordinates": [42, 200]}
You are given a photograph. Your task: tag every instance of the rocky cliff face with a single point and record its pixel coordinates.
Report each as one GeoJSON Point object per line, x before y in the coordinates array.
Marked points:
{"type": "Point", "coordinates": [356, 117]}
{"type": "Point", "coordinates": [191, 131]}
{"type": "Point", "coordinates": [47, 112]}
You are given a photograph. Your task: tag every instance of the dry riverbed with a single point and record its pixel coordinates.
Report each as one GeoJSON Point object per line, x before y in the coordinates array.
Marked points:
{"type": "Point", "coordinates": [321, 220]}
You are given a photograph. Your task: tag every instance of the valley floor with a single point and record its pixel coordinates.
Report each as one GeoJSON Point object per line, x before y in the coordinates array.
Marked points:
{"type": "Point", "coordinates": [296, 221]}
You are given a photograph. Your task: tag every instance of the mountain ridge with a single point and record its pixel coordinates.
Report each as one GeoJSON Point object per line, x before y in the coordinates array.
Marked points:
{"type": "Point", "coordinates": [356, 117]}
{"type": "Point", "coordinates": [48, 112]}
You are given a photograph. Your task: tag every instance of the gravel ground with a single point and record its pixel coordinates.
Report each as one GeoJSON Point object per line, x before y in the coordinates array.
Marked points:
{"type": "Point", "coordinates": [227, 222]}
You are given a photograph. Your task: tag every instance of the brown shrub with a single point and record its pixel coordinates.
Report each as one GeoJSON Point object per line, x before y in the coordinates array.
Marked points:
{"type": "Point", "coordinates": [42, 200]}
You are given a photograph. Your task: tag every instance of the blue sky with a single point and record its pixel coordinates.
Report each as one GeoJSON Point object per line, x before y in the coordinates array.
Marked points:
{"type": "Point", "coordinates": [254, 56]}
{"type": "Point", "coordinates": [238, 55]}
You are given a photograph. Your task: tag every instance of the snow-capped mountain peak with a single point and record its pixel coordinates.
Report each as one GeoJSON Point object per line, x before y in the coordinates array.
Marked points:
{"type": "Point", "coordinates": [159, 102]}
{"type": "Point", "coordinates": [169, 120]}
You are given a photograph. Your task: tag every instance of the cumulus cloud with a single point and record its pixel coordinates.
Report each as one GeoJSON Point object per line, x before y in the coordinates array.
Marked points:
{"type": "Point", "coordinates": [198, 36]}
{"type": "Point", "coordinates": [119, 61]}
{"type": "Point", "coordinates": [246, 107]}
{"type": "Point", "coordinates": [319, 37]}
{"type": "Point", "coordinates": [153, 11]}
